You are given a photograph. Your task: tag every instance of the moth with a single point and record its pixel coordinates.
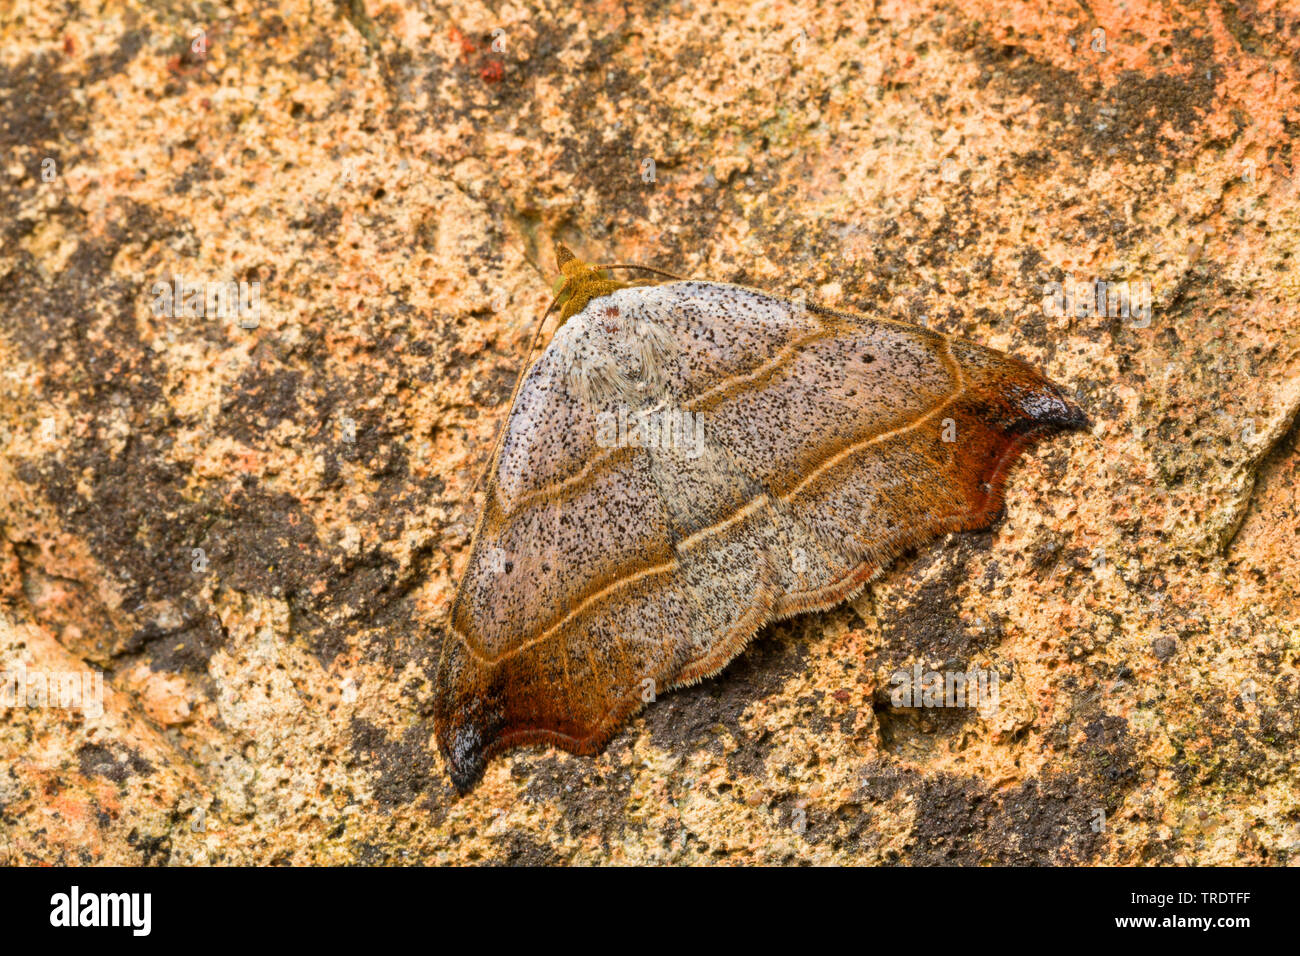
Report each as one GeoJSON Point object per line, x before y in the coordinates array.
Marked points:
{"type": "Point", "coordinates": [687, 461]}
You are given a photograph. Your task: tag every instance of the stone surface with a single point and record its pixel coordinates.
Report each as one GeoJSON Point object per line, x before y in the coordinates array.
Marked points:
{"type": "Point", "coordinates": [253, 534]}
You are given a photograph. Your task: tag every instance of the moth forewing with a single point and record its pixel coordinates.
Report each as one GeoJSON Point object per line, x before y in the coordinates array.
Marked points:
{"type": "Point", "coordinates": [810, 447]}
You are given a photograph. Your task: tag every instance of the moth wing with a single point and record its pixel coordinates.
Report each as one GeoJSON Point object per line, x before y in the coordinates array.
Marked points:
{"type": "Point", "coordinates": [868, 436]}
{"type": "Point", "coordinates": [560, 616]}
{"type": "Point", "coordinates": [813, 447]}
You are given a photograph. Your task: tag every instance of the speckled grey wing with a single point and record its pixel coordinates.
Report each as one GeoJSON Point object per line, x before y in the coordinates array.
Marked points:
{"type": "Point", "coordinates": [817, 445]}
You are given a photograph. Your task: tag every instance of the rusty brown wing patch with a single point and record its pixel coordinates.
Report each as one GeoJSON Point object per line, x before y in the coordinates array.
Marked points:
{"type": "Point", "coordinates": [688, 461]}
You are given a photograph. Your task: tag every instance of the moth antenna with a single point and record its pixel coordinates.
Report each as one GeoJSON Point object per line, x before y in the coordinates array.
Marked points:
{"type": "Point", "coordinates": [519, 380]}
{"type": "Point", "coordinates": [633, 265]}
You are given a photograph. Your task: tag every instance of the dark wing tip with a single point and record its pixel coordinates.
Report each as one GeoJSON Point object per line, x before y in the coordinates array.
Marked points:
{"type": "Point", "coordinates": [462, 745]}
{"type": "Point", "coordinates": [1045, 408]}
{"type": "Point", "coordinates": [467, 776]}
{"type": "Point", "coordinates": [463, 753]}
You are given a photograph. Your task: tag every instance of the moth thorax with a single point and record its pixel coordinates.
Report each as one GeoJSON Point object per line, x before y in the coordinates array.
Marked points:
{"type": "Point", "coordinates": [622, 362]}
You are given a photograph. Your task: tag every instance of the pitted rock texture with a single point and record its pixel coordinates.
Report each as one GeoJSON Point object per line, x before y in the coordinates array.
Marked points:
{"type": "Point", "coordinates": [253, 533]}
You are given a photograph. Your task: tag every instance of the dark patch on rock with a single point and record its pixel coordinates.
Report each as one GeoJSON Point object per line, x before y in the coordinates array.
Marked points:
{"type": "Point", "coordinates": [683, 720]}
{"type": "Point", "coordinates": [1053, 820]}
{"type": "Point", "coordinates": [259, 401]}
{"type": "Point", "coordinates": [920, 616]}
{"type": "Point", "coordinates": [1045, 821]}
{"type": "Point", "coordinates": [263, 543]}
{"type": "Point", "coordinates": [114, 762]}
{"type": "Point", "coordinates": [370, 854]}
{"type": "Point", "coordinates": [48, 114]}
{"type": "Point", "coordinates": [1109, 756]}
{"type": "Point", "coordinates": [404, 766]}
{"type": "Point", "coordinates": [520, 848]}
{"type": "Point", "coordinates": [1131, 116]}
{"type": "Point", "coordinates": [365, 593]}
{"type": "Point", "coordinates": [185, 648]}
{"type": "Point", "coordinates": [322, 223]}
{"type": "Point", "coordinates": [100, 66]}
{"type": "Point", "coordinates": [592, 795]}
{"type": "Point", "coordinates": [880, 782]}
{"type": "Point", "coordinates": [951, 815]}
{"type": "Point", "coordinates": [151, 847]}
{"type": "Point", "coordinates": [1226, 749]}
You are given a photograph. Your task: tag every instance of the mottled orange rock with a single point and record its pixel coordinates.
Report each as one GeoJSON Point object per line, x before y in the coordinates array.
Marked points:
{"type": "Point", "coordinates": [251, 523]}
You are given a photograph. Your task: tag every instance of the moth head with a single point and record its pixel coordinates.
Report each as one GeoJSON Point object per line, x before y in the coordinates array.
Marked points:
{"type": "Point", "coordinates": [579, 283]}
